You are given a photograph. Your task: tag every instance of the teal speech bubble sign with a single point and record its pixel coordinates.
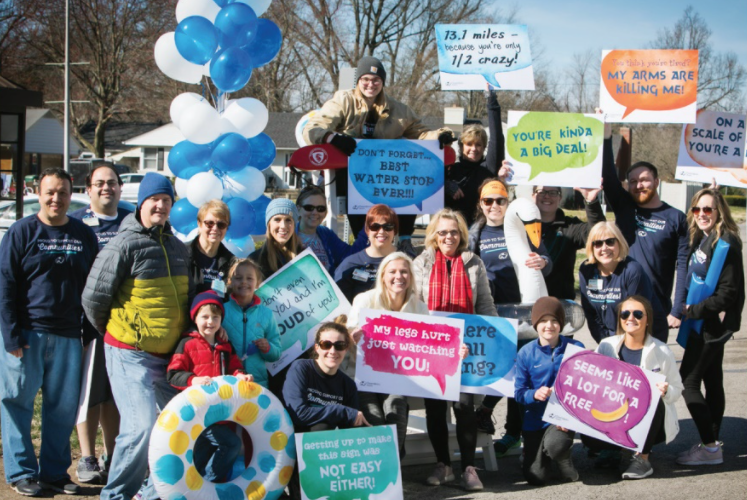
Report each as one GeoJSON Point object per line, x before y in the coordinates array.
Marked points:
{"type": "Point", "coordinates": [300, 298]}
{"type": "Point", "coordinates": [348, 464]}
{"type": "Point", "coordinates": [551, 142]}
{"type": "Point", "coordinates": [482, 49]}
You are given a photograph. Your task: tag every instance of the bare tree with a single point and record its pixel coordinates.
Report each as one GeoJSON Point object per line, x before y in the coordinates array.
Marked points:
{"type": "Point", "coordinates": [721, 79]}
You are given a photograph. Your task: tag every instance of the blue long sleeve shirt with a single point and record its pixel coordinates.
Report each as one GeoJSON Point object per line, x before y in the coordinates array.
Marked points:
{"type": "Point", "coordinates": [44, 269]}
{"type": "Point", "coordinates": [658, 237]}
{"type": "Point", "coordinates": [537, 366]}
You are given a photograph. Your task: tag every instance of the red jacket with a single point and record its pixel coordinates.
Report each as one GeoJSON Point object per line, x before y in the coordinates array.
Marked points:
{"type": "Point", "coordinates": [195, 357]}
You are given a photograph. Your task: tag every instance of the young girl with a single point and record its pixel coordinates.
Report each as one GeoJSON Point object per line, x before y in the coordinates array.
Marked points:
{"type": "Point", "coordinates": [251, 327]}
{"type": "Point", "coordinates": [282, 243]}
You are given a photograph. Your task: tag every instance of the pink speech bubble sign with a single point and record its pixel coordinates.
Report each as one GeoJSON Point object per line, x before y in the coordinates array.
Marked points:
{"type": "Point", "coordinates": [605, 393]}
{"type": "Point", "coordinates": [412, 348]}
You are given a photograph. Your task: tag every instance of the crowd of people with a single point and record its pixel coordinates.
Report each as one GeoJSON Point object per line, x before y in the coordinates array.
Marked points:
{"type": "Point", "coordinates": [160, 315]}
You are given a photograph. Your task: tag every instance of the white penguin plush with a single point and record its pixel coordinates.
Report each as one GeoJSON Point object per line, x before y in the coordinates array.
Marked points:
{"type": "Point", "coordinates": [522, 219]}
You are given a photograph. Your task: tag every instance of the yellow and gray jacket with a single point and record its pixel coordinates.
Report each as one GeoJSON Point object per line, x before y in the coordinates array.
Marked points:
{"type": "Point", "coordinates": [139, 288]}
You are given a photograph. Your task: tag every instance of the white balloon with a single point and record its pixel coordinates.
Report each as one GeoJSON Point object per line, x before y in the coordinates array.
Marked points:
{"type": "Point", "coordinates": [248, 183]}
{"type": "Point", "coordinates": [172, 64]}
{"type": "Point", "coordinates": [181, 187]}
{"type": "Point", "coordinates": [200, 123]}
{"type": "Point", "coordinates": [227, 127]}
{"type": "Point", "coordinates": [205, 8]}
{"type": "Point", "coordinates": [248, 115]}
{"type": "Point", "coordinates": [204, 187]}
{"type": "Point", "coordinates": [259, 6]}
{"type": "Point", "coordinates": [182, 102]}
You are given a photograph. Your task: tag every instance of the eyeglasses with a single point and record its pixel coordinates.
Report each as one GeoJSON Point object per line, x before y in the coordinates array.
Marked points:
{"type": "Point", "coordinates": [552, 193]}
{"type": "Point", "coordinates": [706, 210]}
{"type": "Point", "coordinates": [371, 80]}
{"type": "Point", "coordinates": [101, 184]}
{"type": "Point", "coordinates": [375, 227]}
{"type": "Point", "coordinates": [637, 314]}
{"type": "Point", "coordinates": [210, 223]}
{"type": "Point", "coordinates": [319, 208]}
{"type": "Point", "coordinates": [488, 202]}
{"type": "Point", "coordinates": [445, 232]}
{"type": "Point", "coordinates": [610, 242]}
{"type": "Point", "coordinates": [326, 345]}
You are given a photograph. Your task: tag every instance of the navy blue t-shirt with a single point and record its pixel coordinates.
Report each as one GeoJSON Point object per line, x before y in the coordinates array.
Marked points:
{"type": "Point", "coordinates": [631, 356]}
{"type": "Point", "coordinates": [209, 268]}
{"type": "Point", "coordinates": [503, 281]}
{"type": "Point", "coordinates": [105, 228]}
{"type": "Point", "coordinates": [699, 263]}
{"type": "Point", "coordinates": [44, 270]}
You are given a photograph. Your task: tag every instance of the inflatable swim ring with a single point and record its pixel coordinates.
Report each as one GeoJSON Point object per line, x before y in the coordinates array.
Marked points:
{"type": "Point", "coordinates": [248, 404]}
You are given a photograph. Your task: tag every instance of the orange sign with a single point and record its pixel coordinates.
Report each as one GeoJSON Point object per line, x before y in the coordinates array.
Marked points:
{"type": "Point", "coordinates": [649, 80]}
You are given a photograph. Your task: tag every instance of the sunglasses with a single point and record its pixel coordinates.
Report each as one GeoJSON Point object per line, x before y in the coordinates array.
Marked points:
{"type": "Point", "coordinates": [706, 210]}
{"type": "Point", "coordinates": [319, 208]}
{"type": "Point", "coordinates": [488, 202]}
{"type": "Point", "coordinates": [375, 227]}
{"type": "Point", "coordinates": [637, 314]}
{"type": "Point", "coordinates": [210, 223]}
{"type": "Point", "coordinates": [326, 345]}
{"type": "Point", "coordinates": [610, 242]}
{"type": "Point", "coordinates": [453, 233]}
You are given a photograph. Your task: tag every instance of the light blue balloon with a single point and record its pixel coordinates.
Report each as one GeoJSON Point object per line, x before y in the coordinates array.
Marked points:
{"type": "Point", "coordinates": [260, 207]}
{"type": "Point", "coordinates": [263, 151]}
{"type": "Point", "coordinates": [231, 69]}
{"type": "Point", "coordinates": [183, 217]}
{"type": "Point", "coordinates": [187, 159]}
{"type": "Point", "coordinates": [196, 39]}
{"type": "Point", "coordinates": [236, 24]}
{"type": "Point", "coordinates": [230, 152]}
{"type": "Point", "coordinates": [240, 247]}
{"type": "Point", "coordinates": [266, 44]}
{"type": "Point", "coordinates": [242, 218]}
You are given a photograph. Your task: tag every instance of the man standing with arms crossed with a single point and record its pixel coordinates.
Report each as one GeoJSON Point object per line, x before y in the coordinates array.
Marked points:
{"type": "Point", "coordinates": [138, 295]}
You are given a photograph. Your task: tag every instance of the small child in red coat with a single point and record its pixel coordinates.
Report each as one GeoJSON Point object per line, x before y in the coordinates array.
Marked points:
{"type": "Point", "coordinates": [200, 356]}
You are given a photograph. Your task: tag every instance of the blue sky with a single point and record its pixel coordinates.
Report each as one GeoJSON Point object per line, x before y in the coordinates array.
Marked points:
{"type": "Point", "coordinates": [565, 27]}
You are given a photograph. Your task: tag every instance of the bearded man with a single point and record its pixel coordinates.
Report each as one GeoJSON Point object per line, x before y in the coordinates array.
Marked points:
{"type": "Point", "coordinates": [655, 231]}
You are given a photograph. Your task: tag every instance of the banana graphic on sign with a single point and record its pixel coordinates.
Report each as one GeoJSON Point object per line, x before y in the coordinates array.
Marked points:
{"type": "Point", "coordinates": [612, 415]}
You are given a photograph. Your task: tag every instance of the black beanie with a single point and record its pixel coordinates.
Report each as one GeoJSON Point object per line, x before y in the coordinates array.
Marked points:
{"type": "Point", "coordinates": [548, 306]}
{"type": "Point", "coordinates": [370, 66]}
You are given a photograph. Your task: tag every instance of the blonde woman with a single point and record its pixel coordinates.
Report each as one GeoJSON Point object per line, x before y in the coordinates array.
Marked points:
{"type": "Point", "coordinates": [609, 276]}
{"type": "Point", "coordinates": [710, 221]}
{"type": "Point", "coordinates": [209, 259]}
{"type": "Point", "coordinates": [450, 278]}
{"type": "Point", "coordinates": [394, 291]}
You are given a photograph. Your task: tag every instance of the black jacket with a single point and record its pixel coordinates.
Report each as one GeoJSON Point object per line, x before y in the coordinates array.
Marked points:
{"type": "Point", "coordinates": [728, 296]}
{"type": "Point", "coordinates": [562, 238]}
{"type": "Point", "coordinates": [225, 257]}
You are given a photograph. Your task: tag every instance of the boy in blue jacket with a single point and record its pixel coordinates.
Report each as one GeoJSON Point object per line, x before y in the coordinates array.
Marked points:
{"type": "Point", "coordinates": [537, 366]}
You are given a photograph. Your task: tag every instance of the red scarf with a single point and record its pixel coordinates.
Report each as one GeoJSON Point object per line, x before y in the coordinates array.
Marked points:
{"type": "Point", "coordinates": [449, 292]}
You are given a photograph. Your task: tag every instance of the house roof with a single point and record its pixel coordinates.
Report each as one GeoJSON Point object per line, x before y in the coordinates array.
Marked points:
{"type": "Point", "coordinates": [34, 115]}
{"type": "Point", "coordinates": [118, 133]}
{"type": "Point", "coordinates": [164, 136]}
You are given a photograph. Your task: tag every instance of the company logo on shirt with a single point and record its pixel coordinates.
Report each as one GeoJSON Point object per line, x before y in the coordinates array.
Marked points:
{"type": "Point", "coordinates": [649, 225]}
{"type": "Point", "coordinates": [66, 246]}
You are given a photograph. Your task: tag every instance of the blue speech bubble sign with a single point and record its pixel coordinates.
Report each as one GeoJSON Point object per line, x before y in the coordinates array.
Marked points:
{"type": "Point", "coordinates": [396, 172]}
{"type": "Point", "coordinates": [492, 349]}
{"type": "Point", "coordinates": [482, 49]}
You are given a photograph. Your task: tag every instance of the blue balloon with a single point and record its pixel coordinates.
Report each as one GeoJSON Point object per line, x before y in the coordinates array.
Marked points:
{"type": "Point", "coordinates": [242, 218]}
{"type": "Point", "coordinates": [266, 44]}
{"type": "Point", "coordinates": [260, 207]}
{"type": "Point", "coordinates": [230, 152]}
{"type": "Point", "coordinates": [196, 39]}
{"type": "Point", "coordinates": [236, 24]}
{"type": "Point", "coordinates": [231, 69]}
{"type": "Point", "coordinates": [183, 216]}
{"type": "Point", "coordinates": [187, 159]}
{"type": "Point", "coordinates": [263, 151]}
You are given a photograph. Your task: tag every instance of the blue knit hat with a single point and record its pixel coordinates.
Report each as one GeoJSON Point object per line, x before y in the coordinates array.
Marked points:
{"type": "Point", "coordinates": [281, 206]}
{"type": "Point", "coordinates": [153, 184]}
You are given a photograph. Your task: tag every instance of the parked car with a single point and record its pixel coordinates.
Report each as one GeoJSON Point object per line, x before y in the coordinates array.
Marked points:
{"type": "Point", "coordinates": [31, 206]}
{"type": "Point", "coordinates": [80, 167]}
{"type": "Point", "coordinates": [131, 186]}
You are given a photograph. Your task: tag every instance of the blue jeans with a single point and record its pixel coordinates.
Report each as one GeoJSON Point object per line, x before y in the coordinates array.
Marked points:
{"type": "Point", "coordinates": [215, 451]}
{"type": "Point", "coordinates": [140, 391]}
{"type": "Point", "coordinates": [52, 364]}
